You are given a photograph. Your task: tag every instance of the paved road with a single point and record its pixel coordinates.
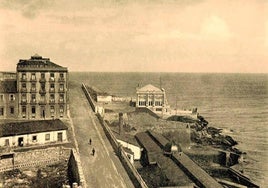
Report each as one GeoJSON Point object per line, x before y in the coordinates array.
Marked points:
{"type": "Point", "coordinates": [104, 168]}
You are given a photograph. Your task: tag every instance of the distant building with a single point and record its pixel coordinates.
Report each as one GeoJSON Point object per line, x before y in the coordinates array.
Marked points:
{"type": "Point", "coordinates": [8, 99]}
{"type": "Point", "coordinates": [42, 88]}
{"type": "Point", "coordinates": [7, 76]}
{"type": "Point", "coordinates": [32, 133]}
{"type": "Point", "coordinates": [152, 97]}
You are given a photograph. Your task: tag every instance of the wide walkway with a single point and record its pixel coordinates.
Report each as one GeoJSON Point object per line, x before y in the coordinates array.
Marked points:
{"type": "Point", "coordinates": [104, 169]}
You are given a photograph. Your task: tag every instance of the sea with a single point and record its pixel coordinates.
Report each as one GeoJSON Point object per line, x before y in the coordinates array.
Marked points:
{"type": "Point", "coordinates": [237, 103]}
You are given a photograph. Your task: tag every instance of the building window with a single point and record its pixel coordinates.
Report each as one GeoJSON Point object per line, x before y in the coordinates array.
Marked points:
{"type": "Point", "coordinates": [52, 98]}
{"type": "Point", "coordinates": [6, 142]}
{"type": "Point", "coordinates": [52, 110]}
{"type": "Point", "coordinates": [61, 109]}
{"type": "Point", "coordinates": [61, 87]}
{"type": "Point", "coordinates": [142, 103]}
{"type": "Point", "coordinates": [52, 76]}
{"type": "Point", "coordinates": [1, 97]}
{"type": "Point", "coordinates": [23, 76]}
{"type": "Point", "coordinates": [33, 98]}
{"type": "Point", "coordinates": [1, 111]}
{"type": "Point", "coordinates": [150, 103]}
{"type": "Point", "coordinates": [23, 87]}
{"type": "Point", "coordinates": [43, 86]}
{"type": "Point", "coordinates": [23, 111]}
{"type": "Point", "coordinates": [158, 103]}
{"type": "Point", "coordinates": [61, 98]}
{"type": "Point", "coordinates": [52, 87]}
{"type": "Point", "coordinates": [23, 97]}
{"type": "Point", "coordinates": [61, 75]}
{"type": "Point", "coordinates": [11, 97]}
{"type": "Point", "coordinates": [42, 75]}
{"type": "Point", "coordinates": [47, 137]}
{"type": "Point", "coordinates": [12, 110]}
{"type": "Point", "coordinates": [34, 138]}
{"type": "Point", "coordinates": [33, 86]}
{"type": "Point", "coordinates": [33, 76]}
{"type": "Point", "coordinates": [33, 111]}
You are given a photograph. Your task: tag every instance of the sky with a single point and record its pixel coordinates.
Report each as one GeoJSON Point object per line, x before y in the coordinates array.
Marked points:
{"type": "Point", "coordinates": [137, 35]}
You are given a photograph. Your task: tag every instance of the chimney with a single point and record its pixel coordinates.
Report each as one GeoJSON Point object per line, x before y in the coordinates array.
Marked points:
{"type": "Point", "coordinates": [121, 122]}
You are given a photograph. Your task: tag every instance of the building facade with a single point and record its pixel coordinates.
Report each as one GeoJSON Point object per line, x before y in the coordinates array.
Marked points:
{"type": "Point", "coordinates": [42, 88]}
{"type": "Point", "coordinates": [151, 97]}
{"type": "Point", "coordinates": [19, 134]}
{"type": "Point", "coordinates": [8, 99]}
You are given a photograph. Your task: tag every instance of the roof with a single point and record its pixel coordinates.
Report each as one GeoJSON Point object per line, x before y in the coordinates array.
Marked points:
{"type": "Point", "coordinates": [149, 87]}
{"type": "Point", "coordinates": [28, 127]}
{"type": "Point", "coordinates": [127, 138]}
{"type": "Point", "coordinates": [38, 62]}
{"type": "Point", "coordinates": [8, 86]}
{"type": "Point", "coordinates": [147, 142]}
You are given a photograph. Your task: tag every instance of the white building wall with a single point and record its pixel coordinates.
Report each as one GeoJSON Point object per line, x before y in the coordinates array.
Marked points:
{"type": "Point", "coordinates": [28, 138]}
{"type": "Point", "coordinates": [136, 150]}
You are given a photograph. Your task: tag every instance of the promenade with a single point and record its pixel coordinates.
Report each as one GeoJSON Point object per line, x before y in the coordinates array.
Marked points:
{"type": "Point", "coordinates": [104, 169]}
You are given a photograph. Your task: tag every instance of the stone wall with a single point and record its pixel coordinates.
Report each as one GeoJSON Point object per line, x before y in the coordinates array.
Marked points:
{"type": "Point", "coordinates": [33, 158]}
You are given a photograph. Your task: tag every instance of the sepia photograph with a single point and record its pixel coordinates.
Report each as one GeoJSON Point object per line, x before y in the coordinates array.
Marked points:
{"type": "Point", "coordinates": [133, 94]}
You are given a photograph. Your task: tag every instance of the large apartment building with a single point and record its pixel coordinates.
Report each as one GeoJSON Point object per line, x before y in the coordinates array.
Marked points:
{"type": "Point", "coordinates": [39, 90]}
{"type": "Point", "coordinates": [42, 88]}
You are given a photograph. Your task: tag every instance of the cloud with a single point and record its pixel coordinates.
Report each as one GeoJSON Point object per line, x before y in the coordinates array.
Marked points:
{"type": "Point", "coordinates": [215, 28]}
{"type": "Point", "coordinates": [28, 8]}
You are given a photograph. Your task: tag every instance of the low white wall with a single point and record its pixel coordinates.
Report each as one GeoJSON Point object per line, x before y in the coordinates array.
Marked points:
{"type": "Point", "coordinates": [28, 138]}
{"type": "Point", "coordinates": [136, 150]}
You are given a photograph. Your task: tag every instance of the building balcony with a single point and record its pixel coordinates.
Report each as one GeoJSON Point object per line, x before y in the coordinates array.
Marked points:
{"type": "Point", "coordinates": [51, 101]}
{"type": "Point", "coordinates": [61, 90]}
{"type": "Point", "coordinates": [52, 79]}
{"type": "Point", "coordinates": [23, 101]}
{"type": "Point", "coordinates": [61, 79]}
{"type": "Point", "coordinates": [61, 101]}
{"type": "Point", "coordinates": [42, 91]}
{"type": "Point", "coordinates": [23, 79]}
{"type": "Point", "coordinates": [33, 101]}
{"type": "Point", "coordinates": [42, 80]}
{"type": "Point", "coordinates": [42, 102]}
{"type": "Point", "coordinates": [23, 90]}
{"type": "Point", "coordinates": [52, 90]}
{"type": "Point", "coordinates": [33, 90]}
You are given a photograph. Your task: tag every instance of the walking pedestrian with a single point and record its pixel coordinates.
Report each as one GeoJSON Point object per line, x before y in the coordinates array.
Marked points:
{"type": "Point", "coordinates": [93, 151]}
{"type": "Point", "coordinates": [90, 141]}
